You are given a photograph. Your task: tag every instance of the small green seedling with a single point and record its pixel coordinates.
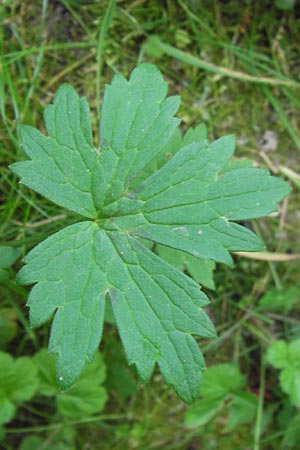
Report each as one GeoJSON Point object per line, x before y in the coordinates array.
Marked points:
{"type": "Point", "coordinates": [18, 384]}
{"type": "Point", "coordinates": [285, 356]}
{"type": "Point", "coordinates": [222, 390]}
{"type": "Point", "coordinates": [85, 397]}
{"type": "Point", "coordinates": [190, 204]}
{"type": "Point", "coordinates": [8, 255]}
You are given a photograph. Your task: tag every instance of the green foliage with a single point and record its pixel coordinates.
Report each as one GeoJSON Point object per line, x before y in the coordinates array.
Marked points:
{"type": "Point", "coordinates": [38, 443]}
{"type": "Point", "coordinates": [199, 269]}
{"type": "Point", "coordinates": [190, 204]}
{"type": "Point", "coordinates": [280, 301]}
{"type": "Point", "coordinates": [120, 377]}
{"type": "Point", "coordinates": [222, 390]}
{"type": "Point", "coordinates": [287, 420]}
{"type": "Point", "coordinates": [8, 255]}
{"type": "Point", "coordinates": [291, 435]}
{"type": "Point", "coordinates": [18, 383]}
{"type": "Point", "coordinates": [87, 395]}
{"type": "Point", "coordinates": [285, 4]}
{"type": "Point", "coordinates": [46, 42]}
{"type": "Point", "coordinates": [8, 325]}
{"type": "Point", "coordinates": [285, 356]}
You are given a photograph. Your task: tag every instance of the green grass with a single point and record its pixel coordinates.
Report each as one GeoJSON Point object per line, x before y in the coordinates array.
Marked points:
{"type": "Point", "coordinates": [236, 66]}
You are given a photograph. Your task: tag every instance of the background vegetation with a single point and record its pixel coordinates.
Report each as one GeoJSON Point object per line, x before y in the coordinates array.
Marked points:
{"type": "Point", "coordinates": [236, 65]}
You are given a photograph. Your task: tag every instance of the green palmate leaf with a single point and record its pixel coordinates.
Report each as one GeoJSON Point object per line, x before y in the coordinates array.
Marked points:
{"type": "Point", "coordinates": [18, 383]}
{"type": "Point", "coordinates": [222, 390]}
{"type": "Point", "coordinates": [153, 304]}
{"type": "Point", "coordinates": [175, 143]}
{"type": "Point", "coordinates": [285, 356]}
{"type": "Point", "coordinates": [120, 376]}
{"type": "Point", "coordinates": [84, 398]}
{"type": "Point", "coordinates": [202, 412]}
{"type": "Point", "coordinates": [8, 255]}
{"type": "Point", "coordinates": [291, 431]}
{"type": "Point", "coordinates": [280, 301]}
{"type": "Point", "coordinates": [242, 409]}
{"type": "Point", "coordinates": [200, 270]}
{"type": "Point", "coordinates": [38, 443]}
{"type": "Point", "coordinates": [221, 380]}
{"type": "Point", "coordinates": [188, 204]}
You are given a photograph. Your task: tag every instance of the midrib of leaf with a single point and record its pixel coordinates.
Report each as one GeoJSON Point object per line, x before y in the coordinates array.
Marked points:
{"type": "Point", "coordinates": [139, 169]}
{"type": "Point", "coordinates": [131, 125]}
{"type": "Point", "coordinates": [167, 329]}
{"type": "Point", "coordinates": [133, 150]}
{"type": "Point", "coordinates": [143, 294]}
{"type": "Point", "coordinates": [141, 287]}
{"type": "Point", "coordinates": [106, 201]}
{"type": "Point", "coordinates": [77, 146]}
{"type": "Point", "coordinates": [42, 144]}
{"type": "Point", "coordinates": [182, 181]}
